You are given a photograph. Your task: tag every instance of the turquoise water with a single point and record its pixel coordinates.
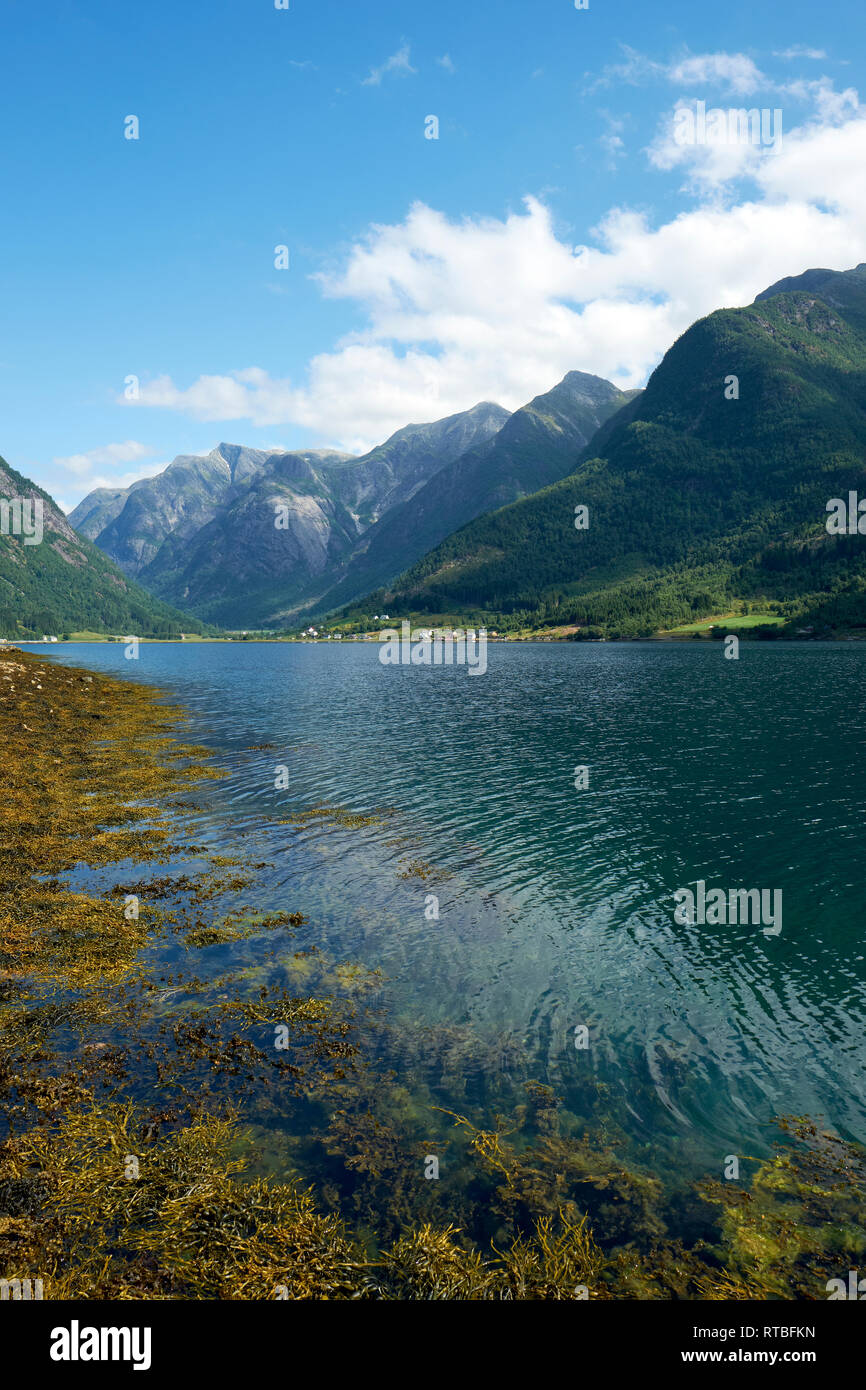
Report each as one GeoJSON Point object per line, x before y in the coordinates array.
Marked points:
{"type": "Point", "coordinates": [556, 905]}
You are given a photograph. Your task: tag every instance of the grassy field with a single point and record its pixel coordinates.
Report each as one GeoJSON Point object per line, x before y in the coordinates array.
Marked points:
{"type": "Point", "coordinates": [730, 620]}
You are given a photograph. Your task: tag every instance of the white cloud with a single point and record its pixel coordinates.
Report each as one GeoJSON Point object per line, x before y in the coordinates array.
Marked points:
{"type": "Point", "coordinates": [148, 470]}
{"type": "Point", "coordinates": [612, 142]}
{"type": "Point", "coordinates": [831, 107]}
{"type": "Point", "coordinates": [713, 168]}
{"type": "Point", "coordinates": [81, 464]}
{"type": "Point", "coordinates": [458, 311]}
{"type": "Point", "coordinates": [446, 62]}
{"type": "Point", "coordinates": [800, 50]}
{"type": "Point", "coordinates": [636, 69]}
{"type": "Point", "coordinates": [108, 456]}
{"type": "Point", "coordinates": [820, 167]}
{"type": "Point", "coordinates": [398, 62]}
{"type": "Point", "coordinates": [729, 74]}
{"type": "Point", "coordinates": [613, 147]}
{"type": "Point", "coordinates": [733, 72]}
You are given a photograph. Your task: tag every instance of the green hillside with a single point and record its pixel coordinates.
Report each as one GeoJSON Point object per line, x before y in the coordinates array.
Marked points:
{"type": "Point", "coordinates": [535, 447]}
{"type": "Point", "coordinates": [697, 502]}
{"type": "Point", "coordinates": [64, 584]}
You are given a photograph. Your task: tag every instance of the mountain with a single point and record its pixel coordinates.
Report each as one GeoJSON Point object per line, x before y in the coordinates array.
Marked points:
{"type": "Point", "coordinates": [204, 533]}
{"type": "Point", "coordinates": [132, 524]}
{"type": "Point", "coordinates": [538, 445]}
{"type": "Point", "coordinates": [394, 471]}
{"type": "Point", "coordinates": [710, 487]}
{"type": "Point", "coordinates": [809, 280]}
{"type": "Point", "coordinates": [53, 580]}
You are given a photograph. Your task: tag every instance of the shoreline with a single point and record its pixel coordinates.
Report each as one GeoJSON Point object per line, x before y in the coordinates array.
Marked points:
{"type": "Point", "coordinates": [127, 1075]}
{"type": "Point", "coordinates": [703, 635]}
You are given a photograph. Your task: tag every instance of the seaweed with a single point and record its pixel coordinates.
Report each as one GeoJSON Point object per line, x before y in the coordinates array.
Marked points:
{"type": "Point", "coordinates": [264, 1129]}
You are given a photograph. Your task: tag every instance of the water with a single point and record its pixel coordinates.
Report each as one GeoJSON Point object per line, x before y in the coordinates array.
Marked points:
{"type": "Point", "coordinates": [556, 905]}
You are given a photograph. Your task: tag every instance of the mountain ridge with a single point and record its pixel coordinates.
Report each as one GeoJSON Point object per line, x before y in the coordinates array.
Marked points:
{"type": "Point", "coordinates": [536, 445]}
{"type": "Point", "coordinates": [696, 497]}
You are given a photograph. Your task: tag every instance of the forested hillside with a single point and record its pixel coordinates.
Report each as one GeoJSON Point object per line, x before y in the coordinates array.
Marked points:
{"type": "Point", "coordinates": [62, 583]}
{"type": "Point", "coordinates": [709, 489]}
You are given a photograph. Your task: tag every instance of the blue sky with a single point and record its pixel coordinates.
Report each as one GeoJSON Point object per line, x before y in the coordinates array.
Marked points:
{"type": "Point", "coordinates": [424, 274]}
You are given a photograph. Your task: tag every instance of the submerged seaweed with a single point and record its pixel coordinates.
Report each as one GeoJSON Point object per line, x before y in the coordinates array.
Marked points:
{"type": "Point", "coordinates": [263, 1129]}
